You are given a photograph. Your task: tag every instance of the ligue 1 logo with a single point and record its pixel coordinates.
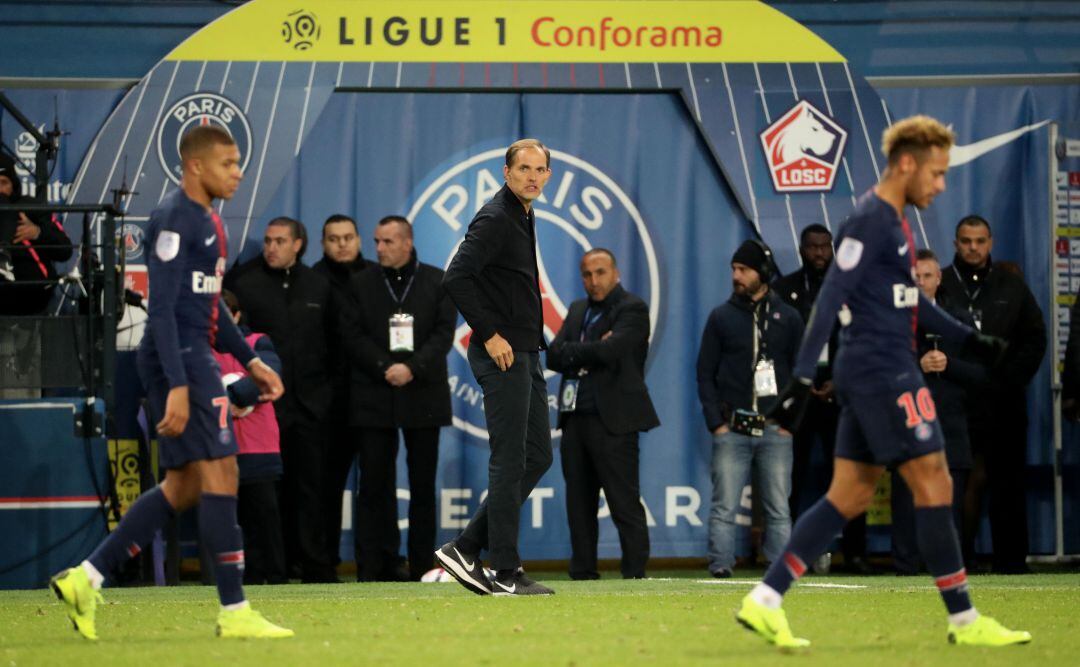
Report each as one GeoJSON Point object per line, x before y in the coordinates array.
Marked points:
{"type": "Point", "coordinates": [581, 208]}
{"type": "Point", "coordinates": [201, 109]}
{"type": "Point", "coordinates": [803, 149]}
{"type": "Point", "coordinates": [301, 29]}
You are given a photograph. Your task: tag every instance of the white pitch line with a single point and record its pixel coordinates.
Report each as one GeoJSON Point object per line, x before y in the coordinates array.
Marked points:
{"type": "Point", "coordinates": [262, 160]}
{"type": "Point", "coordinates": [742, 151]}
{"type": "Point", "coordinates": [787, 197]}
{"type": "Point", "coordinates": [752, 582]}
{"type": "Point", "coordinates": [303, 114]}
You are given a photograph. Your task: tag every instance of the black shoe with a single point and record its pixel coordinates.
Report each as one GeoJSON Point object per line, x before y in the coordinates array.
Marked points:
{"type": "Point", "coordinates": [856, 565]}
{"type": "Point", "coordinates": [467, 569]}
{"type": "Point", "coordinates": [518, 583]}
{"type": "Point", "coordinates": [7, 272]}
{"type": "Point", "coordinates": [722, 573]}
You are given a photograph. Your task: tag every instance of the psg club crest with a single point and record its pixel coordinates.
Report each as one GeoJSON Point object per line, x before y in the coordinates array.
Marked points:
{"type": "Point", "coordinates": [201, 109]}
{"type": "Point", "coordinates": [803, 149]}
{"type": "Point", "coordinates": [581, 208]}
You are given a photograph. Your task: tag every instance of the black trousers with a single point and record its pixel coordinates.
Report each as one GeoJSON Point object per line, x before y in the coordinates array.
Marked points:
{"type": "Point", "coordinates": [259, 519]}
{"type": "Point", "coordinates": [303, 517]}
{"type": "Point", "coordinates": [905, 546]}
{"type": "Point", "coordinates": [519, 434]}
{"type": "Point", "coordinates": [378, 538]}
{"type": "Point", "coordinates": [342, 450]}
{"type": "Point", "coordinates": [819, 424]}
{"type": "Point", "coordinates": [1003, 452]}
{"type": "Point", "coordinates": [595, 459]}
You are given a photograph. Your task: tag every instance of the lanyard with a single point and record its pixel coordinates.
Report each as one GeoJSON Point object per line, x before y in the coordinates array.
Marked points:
{"type": "Point", "coordinates": [589, 321]}
{"type": "Point", "coordinates": [761, 326]}
{"type": "Point", "coordinates": [971, 297]}
{"type": "Point", "coordinates": [404, 294]}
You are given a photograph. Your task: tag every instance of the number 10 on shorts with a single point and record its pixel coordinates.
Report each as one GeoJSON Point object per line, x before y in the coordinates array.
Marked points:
{"type": "Point", "coordinates": [917, 408]}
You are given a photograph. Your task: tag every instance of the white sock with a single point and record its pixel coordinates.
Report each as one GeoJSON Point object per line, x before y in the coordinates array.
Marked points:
{"type": "Point", "coordinates": [243, 604]}
{"type": "Point", "coordinates": [96, 578]}
{"type": "Point", "coordinates": [965, 617]}
{"type": "Point", "coordinates": [766, 596]}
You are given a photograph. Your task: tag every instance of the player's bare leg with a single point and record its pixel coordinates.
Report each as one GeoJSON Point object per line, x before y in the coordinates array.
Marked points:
{"type": "Point", "coordinates": [849, 495]}
{"type": "Point", "coordinates": [928, 478]}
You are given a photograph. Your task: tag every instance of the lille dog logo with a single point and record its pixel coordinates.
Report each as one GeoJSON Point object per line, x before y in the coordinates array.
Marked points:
{"type": "Point", "coordinates": [581, 208]}
{"type": "Point", "coordinates": [301, 29]}
{"type": "Point", "coordinates": [803, 149]}
{"type": "Point", "coordinates": [201, 109]}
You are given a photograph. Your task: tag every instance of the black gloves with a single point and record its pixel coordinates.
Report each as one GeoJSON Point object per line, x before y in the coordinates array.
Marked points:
{"type": "Point", "coordinates": [791, 404]}
{"type": "Point", "coordinates": [988, 349]}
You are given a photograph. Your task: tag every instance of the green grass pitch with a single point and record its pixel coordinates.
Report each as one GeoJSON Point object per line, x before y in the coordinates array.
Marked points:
{"type": "Point", "coordinates": [665, 621]}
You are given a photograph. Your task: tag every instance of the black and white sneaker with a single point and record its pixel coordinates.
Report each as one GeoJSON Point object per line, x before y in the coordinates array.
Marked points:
{"type": "Point", "coordinates": [7, 271]}
{"type": "Point", "coordinates": [468, 571]}
{"type": "Point", "coordinates": [518, 583]}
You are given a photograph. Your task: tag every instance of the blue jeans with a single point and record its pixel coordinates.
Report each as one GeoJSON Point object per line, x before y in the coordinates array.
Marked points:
{"type": "Point", "coordinates": [734, 457]}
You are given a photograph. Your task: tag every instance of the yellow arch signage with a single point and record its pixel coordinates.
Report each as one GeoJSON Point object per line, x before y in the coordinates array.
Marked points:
{"type": "Point", "coordinates": [603, 31]}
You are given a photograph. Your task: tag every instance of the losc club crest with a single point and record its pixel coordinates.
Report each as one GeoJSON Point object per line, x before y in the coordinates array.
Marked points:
{"type": "Point", "coordinates": [803, 149]}
{"type": "Point", "coordinates": [301, 29]}
{"type": "Point", "coordinates": [581, 208]}
{"type": "Point", "coordinates": [201, 109]}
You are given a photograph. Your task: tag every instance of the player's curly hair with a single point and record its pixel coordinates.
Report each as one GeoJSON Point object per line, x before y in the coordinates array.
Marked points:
{"type": "Point", "coordinates": [915, 136]}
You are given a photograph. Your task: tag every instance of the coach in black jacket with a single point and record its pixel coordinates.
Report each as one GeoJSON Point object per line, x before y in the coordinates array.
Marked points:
{"type": "Point", "coordinates": [1000, 304]}
{"type": "Point", "coordinates": [603, 404]}
{"type": "Point", "coordinates": [404, 389]}
{"type": "Point", "coordinates": [494, 281]}
{"type": "Point", "coordinates": [295, 306]}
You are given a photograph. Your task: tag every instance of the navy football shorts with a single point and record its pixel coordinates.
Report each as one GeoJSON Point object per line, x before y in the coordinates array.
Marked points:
{"type": "Point", "coordinates": [889, 427]}
{"type": "Point", "coordinates": [208, 434]}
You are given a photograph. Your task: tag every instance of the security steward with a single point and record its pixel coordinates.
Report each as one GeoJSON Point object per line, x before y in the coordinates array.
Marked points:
{"type": "Point", "coordinates": [603, 406]}
{"type": "Point", "coordinates": [295, 306]}
{"type": "Point", "coordinates": [341, 261]}
{"type": "Point", "coordinates": [397, 345]}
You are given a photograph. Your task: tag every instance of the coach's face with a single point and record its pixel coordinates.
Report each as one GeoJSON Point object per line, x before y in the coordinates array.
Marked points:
{"type": "Point", "coordinates": [218, 169]}
{"type": "Point", "coordinates": [528, 174]}
{"type": "Point", "coordinates": [928, 177]}
{"type": "Point", "coordinates": [928, 276]}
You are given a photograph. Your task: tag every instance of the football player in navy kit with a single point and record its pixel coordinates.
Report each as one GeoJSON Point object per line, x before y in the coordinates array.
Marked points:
{"type": "Point", "coordinates": [887, 414]}
{"type": "Point", "coordinates": [185, 393]}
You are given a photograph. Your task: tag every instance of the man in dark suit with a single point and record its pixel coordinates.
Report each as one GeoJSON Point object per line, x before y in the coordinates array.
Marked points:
{"type": "Point", "coordinates": [397, 346]}
{"type": "Point", "coordinates": [603, 405]}
{"type": "Point", "coordinates": [295, 306]}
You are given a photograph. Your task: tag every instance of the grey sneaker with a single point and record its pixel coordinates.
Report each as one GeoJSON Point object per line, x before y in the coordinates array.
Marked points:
{"type": "Point", "coordinates": [468, 570]}
{"type": "Point", "coordinates": [519, 583]}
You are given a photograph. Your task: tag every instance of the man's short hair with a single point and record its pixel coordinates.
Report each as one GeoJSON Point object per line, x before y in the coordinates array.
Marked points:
{"type": "Point", "coordinates": [296, 230]}
{"type": "Point", "coordinates": [813, 229]}
{"type": "Point", "coordinates": [915, 136]}
{"type": "Point", "coordinates": [201, 137]}
{"type": "Point", "coordinates": [338, 217]}
{"type": "Point", "coordinates": [522, 144]}
{"type": "Point", "coordinates": [973, 221]}
{"type": "Point", "coordinates": [925, 255]}
{"type": "Point", "coordinates": [400, 220]}
{"type": "Point", "coordinates": [601, 251]}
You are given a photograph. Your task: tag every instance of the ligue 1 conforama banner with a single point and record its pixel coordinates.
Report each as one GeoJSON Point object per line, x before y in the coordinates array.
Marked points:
{"type": "Point", "coordinates": [677, 129]}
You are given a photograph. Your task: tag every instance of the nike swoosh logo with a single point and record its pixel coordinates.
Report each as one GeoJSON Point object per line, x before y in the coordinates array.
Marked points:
{"type": "Point", "coordinates": [963, 154]}
{"type": "Point", "coordinates": [902, 250]}
{"type": "Point", "coordinates": [210, 240]}
{"type": "Point", "coordinates": [509, 589]}
{"type": "Point", "coordinates": [464, 562]}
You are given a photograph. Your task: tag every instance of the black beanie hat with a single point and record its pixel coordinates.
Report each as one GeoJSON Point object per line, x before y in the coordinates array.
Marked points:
{"type": "Point", "coordinates": [7, 168]}
{"type": "Point", "coordinates": [753, 254]}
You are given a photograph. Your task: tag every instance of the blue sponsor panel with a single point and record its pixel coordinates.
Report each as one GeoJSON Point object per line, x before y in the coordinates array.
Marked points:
{"type": "Point", "coordinates": [52, 483]}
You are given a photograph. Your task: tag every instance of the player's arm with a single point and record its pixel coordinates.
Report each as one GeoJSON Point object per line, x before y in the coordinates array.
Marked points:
{"type": "Point", "coordinates": [629, 329]}
{"type": "Point", "coordinates": [165, 272]}
{"type": "Point", "coordinates": [716, 411]}
{"type": "Point", "coordinates": [935, 320]}
{"type": "Point", "coordinates": [857, 250]}
{"type": "Point", "coordinates": [245, 392]}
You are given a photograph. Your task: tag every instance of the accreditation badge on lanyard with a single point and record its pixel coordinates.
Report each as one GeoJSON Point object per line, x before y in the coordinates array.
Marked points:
{"type": "Point", "coordinates": [401, 323]}
{"type": "Point", "coordinates": [401, 332]}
